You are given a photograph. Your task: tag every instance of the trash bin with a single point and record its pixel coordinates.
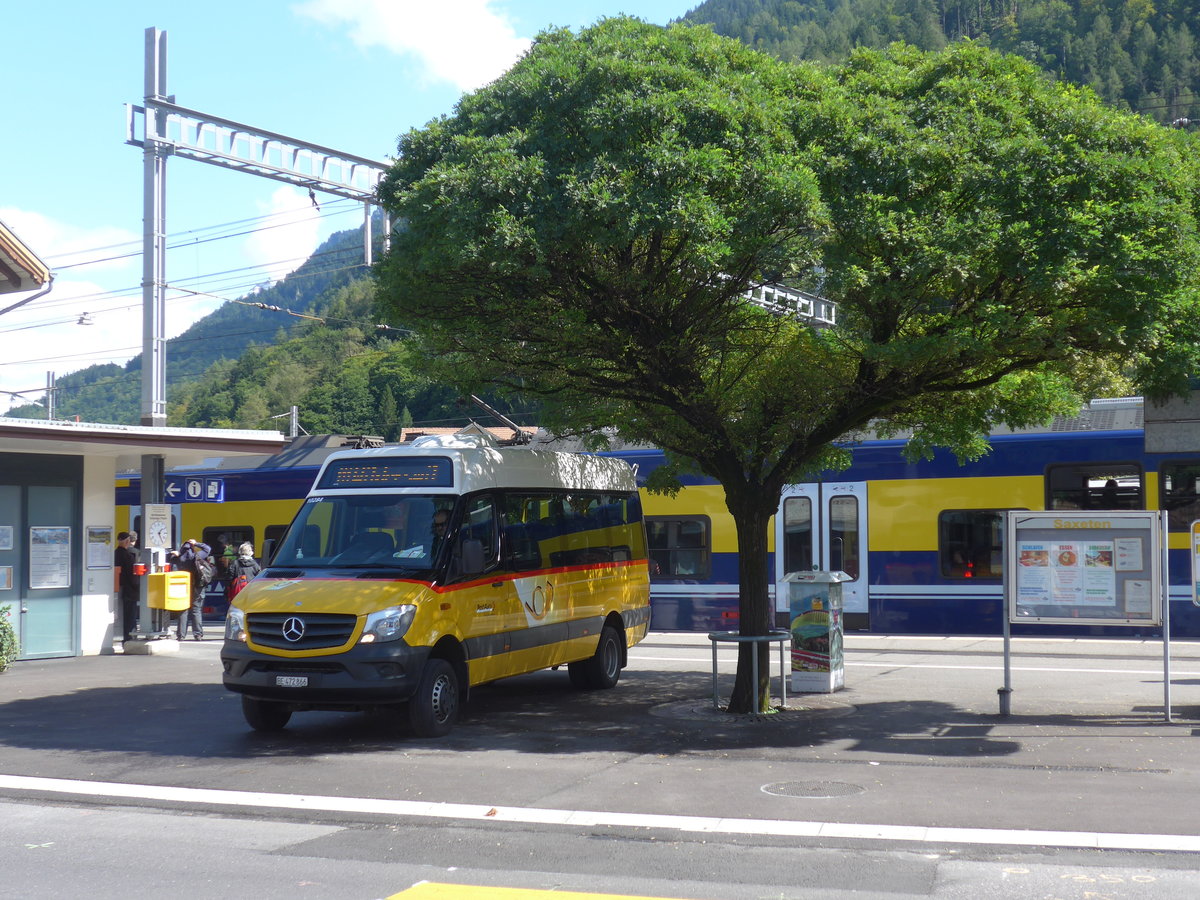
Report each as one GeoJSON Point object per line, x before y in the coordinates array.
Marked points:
{"type": "Point", "coordinates": [815, 606]}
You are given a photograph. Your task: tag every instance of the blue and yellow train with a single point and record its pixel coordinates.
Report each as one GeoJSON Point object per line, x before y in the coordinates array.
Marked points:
{"type": "Point", "coordinates": [921, 541]}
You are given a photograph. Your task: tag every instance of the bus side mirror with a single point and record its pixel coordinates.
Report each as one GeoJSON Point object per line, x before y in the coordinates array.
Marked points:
{"type": "Point", "coordinates": [471, 556]}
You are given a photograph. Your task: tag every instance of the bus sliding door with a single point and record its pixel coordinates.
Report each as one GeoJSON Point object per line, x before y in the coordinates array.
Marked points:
{"type": "Point", "coordinates": [824, 526]}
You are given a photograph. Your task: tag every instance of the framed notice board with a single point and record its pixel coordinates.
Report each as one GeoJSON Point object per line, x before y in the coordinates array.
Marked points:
{"type": "Point", "coordinates": [1084, 568]}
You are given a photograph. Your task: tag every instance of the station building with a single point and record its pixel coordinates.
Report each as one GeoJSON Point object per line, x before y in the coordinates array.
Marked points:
{"type": "Point", "coordinates": [57, 532]}
{"type": "Point", "coordinates": [57, 529]}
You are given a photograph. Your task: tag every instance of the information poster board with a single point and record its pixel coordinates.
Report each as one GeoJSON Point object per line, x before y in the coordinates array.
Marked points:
{"type": "Point", "coordinates": [49, 557]}
{"type": "Point", "coordinates": [1196, 563]}
{"type": "Point", "coordinates": [1084, 568]}
{"type": "Point", "coordinates": [99, 547]}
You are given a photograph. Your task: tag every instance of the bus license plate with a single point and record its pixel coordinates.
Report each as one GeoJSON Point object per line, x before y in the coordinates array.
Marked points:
{"type": "Point", "coordinates": [291, 680]}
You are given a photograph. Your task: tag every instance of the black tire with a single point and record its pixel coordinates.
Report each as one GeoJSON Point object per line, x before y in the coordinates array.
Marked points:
{"type": "Point", "coordinates": [265, 715]}
{"type": "Point", "coordinates": [603, 670]}
{"type": "Point", "coordinates": [433, 709]}
{"type": "Point", "coordinates": [581, 678]}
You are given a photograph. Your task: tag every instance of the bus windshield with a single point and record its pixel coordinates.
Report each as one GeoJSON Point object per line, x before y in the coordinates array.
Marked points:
{"type": "Point", "coordinates": [367, 531]}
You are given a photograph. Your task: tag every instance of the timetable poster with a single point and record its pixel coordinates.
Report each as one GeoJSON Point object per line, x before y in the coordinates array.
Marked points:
{"type": "Point", "coordinates": [49, 557]}
{"type": "Point", "coordinates": [1066, 573]}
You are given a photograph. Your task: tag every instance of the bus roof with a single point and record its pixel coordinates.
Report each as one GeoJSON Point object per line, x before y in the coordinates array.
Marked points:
{"type": "Point", "coordinates": [479, 463]}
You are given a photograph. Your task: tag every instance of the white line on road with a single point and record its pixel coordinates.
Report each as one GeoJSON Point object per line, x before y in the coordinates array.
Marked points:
{"type": "Point", "coordinates": [592, 818]}
{"type": "Point", "coordinates": [997, 667]}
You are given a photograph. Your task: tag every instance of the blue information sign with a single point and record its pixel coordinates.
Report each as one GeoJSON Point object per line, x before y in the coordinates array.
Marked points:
{"type": "Point", "coordinates": [182, 489]}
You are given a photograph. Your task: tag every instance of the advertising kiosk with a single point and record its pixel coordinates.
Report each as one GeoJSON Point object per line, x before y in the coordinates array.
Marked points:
{"type": "Point", "coordinates": [815, 607]}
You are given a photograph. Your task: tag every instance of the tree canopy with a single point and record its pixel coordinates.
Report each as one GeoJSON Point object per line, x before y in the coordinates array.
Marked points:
{"type": "Point", "coordinates": [584, 230]}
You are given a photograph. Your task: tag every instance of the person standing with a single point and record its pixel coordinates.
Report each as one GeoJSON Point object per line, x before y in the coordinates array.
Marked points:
{"type": "Point", "coordinates": [128, 583]}
{"type": "Point", "coordinates": [195, 557]}
{"type": "Point", "coordinates": [243, 564]}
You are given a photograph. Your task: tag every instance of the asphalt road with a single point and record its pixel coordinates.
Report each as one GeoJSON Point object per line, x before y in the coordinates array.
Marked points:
{"type": "Point", "coordinates": [139, 770]}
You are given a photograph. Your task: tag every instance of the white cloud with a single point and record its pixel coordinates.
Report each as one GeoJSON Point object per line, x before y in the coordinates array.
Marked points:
{"type": "Point", "coordinates": [48, 334]}
{"type": "Point", "coordinates": [287, 237]}
{"type": "Point", "coordinates": [62, 245]}
{"type": "Point", "coordinates": [464, 42]}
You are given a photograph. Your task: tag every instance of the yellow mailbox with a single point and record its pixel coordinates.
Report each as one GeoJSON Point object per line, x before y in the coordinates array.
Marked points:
{"type": "Point", "coordinates": [169, 590]}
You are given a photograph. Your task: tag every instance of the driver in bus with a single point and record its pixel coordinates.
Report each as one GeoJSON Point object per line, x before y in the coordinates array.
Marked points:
{"type": "Point", "coordinates": [441, 519]}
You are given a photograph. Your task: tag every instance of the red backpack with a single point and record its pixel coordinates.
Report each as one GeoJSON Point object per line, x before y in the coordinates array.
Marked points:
{"type": "Point", "coordinates": [236, 585]}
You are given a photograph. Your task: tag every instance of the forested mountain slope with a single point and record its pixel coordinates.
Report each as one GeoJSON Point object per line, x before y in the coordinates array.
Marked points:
{"type": "Point", "coordinates": [1137, 54]}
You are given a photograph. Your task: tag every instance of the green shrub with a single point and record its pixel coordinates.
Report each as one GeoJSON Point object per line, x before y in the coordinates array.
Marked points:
{"type": "Point", "coordinates": [9, 648]}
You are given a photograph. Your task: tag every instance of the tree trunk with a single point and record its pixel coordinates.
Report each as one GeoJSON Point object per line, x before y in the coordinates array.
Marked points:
{"type": "Point", "coordinates": [752, 518]}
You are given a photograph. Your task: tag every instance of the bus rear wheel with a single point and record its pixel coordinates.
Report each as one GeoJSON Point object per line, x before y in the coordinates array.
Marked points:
{"type": "Point", "coordinates": [265, 715]}
{"type": "Point", "coordinates": [433, 709]}
{"type": "Point", "coordinates": [603, 669]}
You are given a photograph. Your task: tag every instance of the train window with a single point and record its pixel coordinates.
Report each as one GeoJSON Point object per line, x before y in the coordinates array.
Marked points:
{"type": "Point", "coordinates": [680, 547]}
{"type": "Point", "coordinates": [1180, 492]}
{"type": "Point", "coordinates": [225, 541]}
{"type": "Point", "coordinates": [797, 534]}
{"type": "Point", "coordinates": [843, 536]}
{"type": "Point", "coordinates": [970, 543]}
{"type": "Point", "coordinates": [1094, 486]}
{"type": "Point", "coordinates": [272, 535]}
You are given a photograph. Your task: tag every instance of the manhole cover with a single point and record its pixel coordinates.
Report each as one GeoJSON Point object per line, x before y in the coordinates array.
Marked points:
{"type": "Point", "coordinates": [812, 790]}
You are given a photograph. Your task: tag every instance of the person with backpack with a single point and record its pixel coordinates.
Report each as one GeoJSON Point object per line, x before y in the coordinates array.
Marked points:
{"type": "Point", "coordinates": [241, 570]}
{"type": "Point", "coordinates": [195, 557]}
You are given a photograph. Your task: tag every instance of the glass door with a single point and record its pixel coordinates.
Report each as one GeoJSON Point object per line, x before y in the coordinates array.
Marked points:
{"type": "Point", "coordinates": [823, 526]}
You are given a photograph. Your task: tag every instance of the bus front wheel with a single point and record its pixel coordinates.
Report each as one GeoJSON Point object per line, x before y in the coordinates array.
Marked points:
{"type": "Point", "coordinates": [433, 709]}
{"type": "Point", "coordinates": [265, 715]}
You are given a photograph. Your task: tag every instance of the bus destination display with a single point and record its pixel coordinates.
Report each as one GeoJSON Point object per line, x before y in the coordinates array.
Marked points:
{"type": "Point", "coordinates": [389, 472]}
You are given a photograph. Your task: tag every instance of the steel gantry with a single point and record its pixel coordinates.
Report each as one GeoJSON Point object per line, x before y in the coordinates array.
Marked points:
{"type": "Point", "coordinates": [163, 129]}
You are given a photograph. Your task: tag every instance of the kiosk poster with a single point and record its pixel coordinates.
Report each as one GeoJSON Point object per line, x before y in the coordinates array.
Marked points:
{"type": "Point", "coordinates": [1100, 567]}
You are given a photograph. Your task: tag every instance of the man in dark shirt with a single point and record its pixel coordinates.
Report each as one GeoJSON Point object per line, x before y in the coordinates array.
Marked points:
{"type": "Point", "coordinates": [128, 584]}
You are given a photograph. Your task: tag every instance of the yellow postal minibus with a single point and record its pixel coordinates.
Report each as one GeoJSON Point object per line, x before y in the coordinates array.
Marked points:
{"type": "Point", "coordinates": [413, 572]}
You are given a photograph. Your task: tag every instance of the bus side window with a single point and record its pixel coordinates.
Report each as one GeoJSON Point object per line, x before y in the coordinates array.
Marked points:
{"type": "Point", "coordinates": [478, 538]}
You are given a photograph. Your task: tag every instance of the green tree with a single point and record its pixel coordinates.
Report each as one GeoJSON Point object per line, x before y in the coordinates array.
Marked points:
{"type": "Point", "coordinates": [584, 230]}
{"type": "Point", "coordinates": [389, 415]}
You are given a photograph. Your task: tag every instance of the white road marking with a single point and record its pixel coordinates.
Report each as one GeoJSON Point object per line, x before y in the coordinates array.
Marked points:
{"type": "Point", "coordinates": [997, 667]}
{"type": "Point", "coordinates": [593, 818]}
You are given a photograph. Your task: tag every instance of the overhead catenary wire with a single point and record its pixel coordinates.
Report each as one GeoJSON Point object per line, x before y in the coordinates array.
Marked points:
{"type": "Point", "coordinates": [246, 278]}
{"type": "Point", "coordinates": [328, 211]}
{"type": "Point", "coordinates": [58, 300]}
{"type": "Point", "coordinates": [378, 326]}
{"type": "Point", "coordinates": [264, 268]}
{"type": "Point", "coordinates": [133, 291]}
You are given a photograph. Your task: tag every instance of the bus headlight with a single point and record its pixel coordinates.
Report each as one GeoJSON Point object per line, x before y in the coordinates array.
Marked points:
{"type": "Point", "coordinates": [235, 625]}
{"type": "Point", "coordinates": [389, 624]}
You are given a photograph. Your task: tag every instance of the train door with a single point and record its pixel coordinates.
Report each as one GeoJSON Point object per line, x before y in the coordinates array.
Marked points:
{"type": "Point", "coordinates": [823, 526]}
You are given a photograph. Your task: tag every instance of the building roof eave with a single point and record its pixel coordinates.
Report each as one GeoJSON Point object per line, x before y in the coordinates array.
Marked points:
{"type": "Point", "coordinates": [20, 268]}
{"type": "Point", "coordinates": [128, 443]}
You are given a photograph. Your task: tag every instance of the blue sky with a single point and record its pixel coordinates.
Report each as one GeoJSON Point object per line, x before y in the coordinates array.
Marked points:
{"type": "Point", "coordinates": [347, 74]}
